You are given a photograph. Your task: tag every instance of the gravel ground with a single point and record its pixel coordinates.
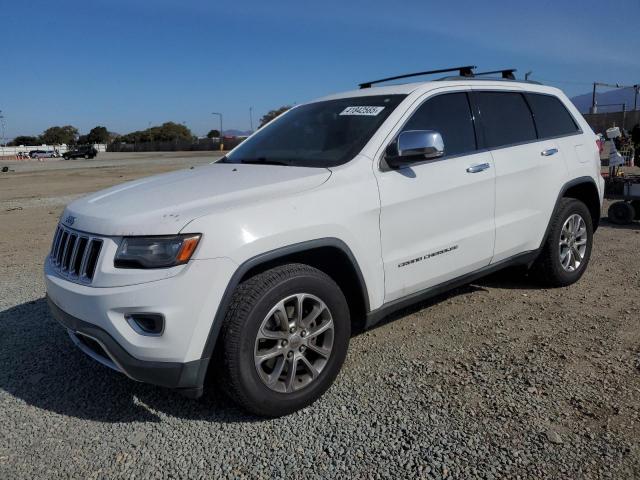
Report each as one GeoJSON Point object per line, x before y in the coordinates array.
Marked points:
{"type": "Point", "coordinates": [500, 379]}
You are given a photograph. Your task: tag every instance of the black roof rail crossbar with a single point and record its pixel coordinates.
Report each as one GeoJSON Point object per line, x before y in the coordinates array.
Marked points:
{"type": "Point", "coordinates": [507, 73]}
{"type": "Point", "coordinates": [466, 71]}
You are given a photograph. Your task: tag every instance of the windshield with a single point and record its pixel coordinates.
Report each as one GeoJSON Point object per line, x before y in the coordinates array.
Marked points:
{"type": "Point", "coordinates": [320, 134]}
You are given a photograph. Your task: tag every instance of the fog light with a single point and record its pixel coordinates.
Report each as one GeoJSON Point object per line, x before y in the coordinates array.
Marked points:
{"type": "Point", "coordinates": [150, 324]}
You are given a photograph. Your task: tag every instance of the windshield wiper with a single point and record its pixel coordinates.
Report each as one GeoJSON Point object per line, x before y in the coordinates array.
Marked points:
{"type": "Point", "coordinates": [264, 161]}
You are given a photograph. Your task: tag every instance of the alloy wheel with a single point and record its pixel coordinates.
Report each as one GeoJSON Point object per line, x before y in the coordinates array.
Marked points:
{"type": "Point", "coordinates": [573, 243]}
{"type": "Point", "coordinates": [294, 343]}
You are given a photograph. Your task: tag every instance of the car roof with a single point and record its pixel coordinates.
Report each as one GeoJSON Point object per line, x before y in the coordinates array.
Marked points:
{"type": "Point", "coordinates": [423, 87]}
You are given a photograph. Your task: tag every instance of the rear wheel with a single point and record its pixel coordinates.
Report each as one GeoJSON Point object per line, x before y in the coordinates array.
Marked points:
{"type": "Point", "coordinates": [285, 338]}
{"type": "Point", "coordinates": [636, 207]}
{"type": "Point", "coordinates": [567, 249]}
{"type": "Point", "coordinates": [621, 213]}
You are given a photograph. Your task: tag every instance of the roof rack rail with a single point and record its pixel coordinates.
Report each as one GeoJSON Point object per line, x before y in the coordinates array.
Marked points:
{"type": "Point", "coordinates": [466, 71]}
{"type": "Point", "coordinates": [507, 73]}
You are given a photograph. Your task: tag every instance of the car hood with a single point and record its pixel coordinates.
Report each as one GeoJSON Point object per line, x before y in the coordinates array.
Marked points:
{"type": "Point", "coordinates": [164, 204]}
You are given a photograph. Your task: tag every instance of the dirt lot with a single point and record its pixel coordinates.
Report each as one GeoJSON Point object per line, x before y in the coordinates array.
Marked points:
{"type": "Point", "coordinates": [497, 379]}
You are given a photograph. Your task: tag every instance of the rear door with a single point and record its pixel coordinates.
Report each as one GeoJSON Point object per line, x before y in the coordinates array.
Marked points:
{"type": "Point", "coordinates": [526, 167]}
{"type": "Point", "coordinates": [436, 218]}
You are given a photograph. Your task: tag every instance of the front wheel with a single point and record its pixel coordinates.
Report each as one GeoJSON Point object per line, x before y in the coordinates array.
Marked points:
{"type": "Point", "coordinates": [284, 339]}
{"type": "Point", "coordinates": [567, 249]}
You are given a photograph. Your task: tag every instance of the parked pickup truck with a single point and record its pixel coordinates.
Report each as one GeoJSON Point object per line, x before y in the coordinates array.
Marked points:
{"type": "Point", "coordinates": [335, 214]}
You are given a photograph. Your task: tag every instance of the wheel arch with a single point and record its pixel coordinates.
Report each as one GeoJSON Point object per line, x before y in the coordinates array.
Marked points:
{"type": "Point", "coordinates": [585, 190]}
{"type": "Point", "coordinates": [330, 255]}
{"type": "Point", "coordinates": [580, 188]}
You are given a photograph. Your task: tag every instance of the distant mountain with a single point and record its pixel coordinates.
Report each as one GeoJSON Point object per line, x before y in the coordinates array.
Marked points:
{"type": "Point", "coordinates": [621, 95]}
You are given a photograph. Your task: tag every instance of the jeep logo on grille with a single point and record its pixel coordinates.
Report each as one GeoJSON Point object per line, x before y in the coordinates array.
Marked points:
{"type": "Point", "coordinates": [70, 220]}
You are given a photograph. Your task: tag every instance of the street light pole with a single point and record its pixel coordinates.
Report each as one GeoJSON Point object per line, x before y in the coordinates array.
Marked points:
{"type": "Point", "coordinates": [221, 141]}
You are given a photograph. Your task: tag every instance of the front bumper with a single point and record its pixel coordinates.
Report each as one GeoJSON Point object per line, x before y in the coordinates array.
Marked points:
{"type": "Point", "coordinates": [188, 301]}
{"type": "Point", "coordinates": [98, 344]}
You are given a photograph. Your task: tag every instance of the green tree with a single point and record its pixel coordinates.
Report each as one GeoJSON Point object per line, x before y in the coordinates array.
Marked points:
{"type": "Point", "coordinates": [59, 135]}
{"type": "Point", "coordinates": [273, 114]}
{"type": "Point", "coordinates": [172, 131]}
{"type": "Point", "coordinates": [24, 140]}
{"type": "Point", "coordinates": [213, 134]}
{"type": "Point", "coordinates": [168, 131]}
{"type": "Point", "coordinates": [98, 135]}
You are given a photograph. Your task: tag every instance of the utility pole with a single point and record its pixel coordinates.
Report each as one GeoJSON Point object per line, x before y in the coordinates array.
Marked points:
{"type": "Point", "coordinates": [251, 116]}
{"type": "Point", "coordinates": [636, 87]}
{"type": "Point", "coordinates": [3, 141]}
{"type": "Point", "coordinates": [221, 134]}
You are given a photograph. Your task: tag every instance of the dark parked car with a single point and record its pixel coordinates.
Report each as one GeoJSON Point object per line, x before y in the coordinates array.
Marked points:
{"type": "Point", "coordinates": [81, 152]}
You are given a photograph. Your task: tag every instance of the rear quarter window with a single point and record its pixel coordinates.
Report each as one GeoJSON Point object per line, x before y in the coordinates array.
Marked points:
{"type": "Point", "coordinates": [551, 116]}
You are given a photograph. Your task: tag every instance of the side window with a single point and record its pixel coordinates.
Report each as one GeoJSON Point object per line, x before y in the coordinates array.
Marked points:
{"type": "Point", "coordinates": [506, 118]}
{"type": "Point", "coordinates": [450, 115]}
{"type": "Point", "coordinates": [551, 116]}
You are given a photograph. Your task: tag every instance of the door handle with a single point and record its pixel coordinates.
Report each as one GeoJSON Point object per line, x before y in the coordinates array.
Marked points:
{"type": "Point", "coordinates": [478, 168]}
{"type": "Point", "coordinates": [548, 152]}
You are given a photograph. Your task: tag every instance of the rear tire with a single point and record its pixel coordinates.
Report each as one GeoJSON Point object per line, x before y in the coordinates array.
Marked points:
{"type": "Point", "coordinates": [277, 324]}
{"type": "Point", "coordinates": [636, 207]}
{"type": "Point", "coordinates": [567, 248]}
{"type": "Point", "coordinates": [621, 213]}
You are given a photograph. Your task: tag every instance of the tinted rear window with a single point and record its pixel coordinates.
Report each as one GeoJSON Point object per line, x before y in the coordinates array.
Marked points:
{"type": "Point", "coordinates": [450, 115]}
{"type": "Point", "coordinates": [506, 118]}
{"type": "Point", "coordinates": [551, 116]}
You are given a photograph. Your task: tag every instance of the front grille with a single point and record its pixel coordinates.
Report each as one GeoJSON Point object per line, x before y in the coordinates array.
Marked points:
{"type": "Point", "coordinates": [74, 255]}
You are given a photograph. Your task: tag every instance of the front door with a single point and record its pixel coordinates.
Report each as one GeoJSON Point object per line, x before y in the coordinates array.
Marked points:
{"type": "Point", "coordinates": [437, 216]}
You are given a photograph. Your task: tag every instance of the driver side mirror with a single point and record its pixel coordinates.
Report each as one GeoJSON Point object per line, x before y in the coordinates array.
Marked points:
{"type": "Point", "coordinates": [415, 146]}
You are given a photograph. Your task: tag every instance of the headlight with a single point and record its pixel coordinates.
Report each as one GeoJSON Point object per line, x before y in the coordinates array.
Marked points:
{"type": "Point", "coordinates": [156, 252]}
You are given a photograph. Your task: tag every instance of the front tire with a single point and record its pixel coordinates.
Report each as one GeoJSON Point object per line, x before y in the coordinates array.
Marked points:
{"type": "Point", "coordinates": [567, 249]}
{"type": "Point", "coordinates": [284, 339]}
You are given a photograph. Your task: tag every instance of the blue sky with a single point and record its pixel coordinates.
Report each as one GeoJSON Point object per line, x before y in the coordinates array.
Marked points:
{"type": "Point", "coordinates": [127, 63]}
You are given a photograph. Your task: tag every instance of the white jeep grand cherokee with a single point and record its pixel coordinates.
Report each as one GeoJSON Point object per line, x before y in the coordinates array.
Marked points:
{"type": "Point", "coordinates": [330, 217]}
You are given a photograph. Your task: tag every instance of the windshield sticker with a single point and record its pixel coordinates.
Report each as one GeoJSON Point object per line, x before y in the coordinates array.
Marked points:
{"type": "Point", "coordinates": [369, 111]}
